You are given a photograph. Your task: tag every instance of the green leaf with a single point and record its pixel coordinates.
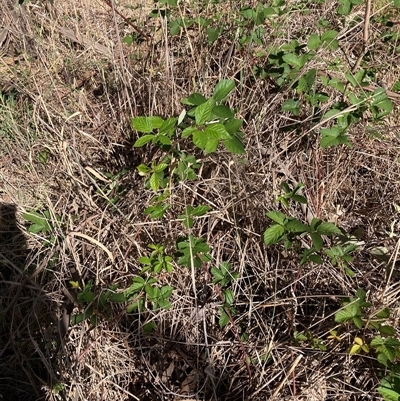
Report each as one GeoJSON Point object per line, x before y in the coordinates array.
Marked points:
{"type": "Point", "coordinates": [358, 322]}
{"type": "Point", "coordinates": [306, 82]}
{"type": "Point", "coordinates": [143, 140]}
{"type": "Point", "coordinates": [292, 106]}
{"type": "Point", "coordinates": [292, 59]}
{"type": "Point", "coordinates": [217, 131]}
{"type": "Point", "coordinates": [329, 35]}
{"type": "Point", "coordinates": [155, 181]}
{"type": "Point", "coordinates": [36, 218]}
{"type": "Point", "coordinates": [349, 76]}
{"type": "Point", "coordinates": [317, 241]}
{"type": "Point", "coordinates": [142, 124]}
{"type": "Point", "coordinates": [228, 296]}
{"type": "Point", "coordinates": [273, 234]}
{"type": "Point", "coordinates": [316, 258]}
{"type": "Point", "coordinates": [160, 167]}
{"type": "Point", "coordinates": [336, 83]}
{"type": "Point", "coordinates": [383, 314]}
{"type": "Point", "coordinates": [314, 41]}
{"type": "Point", "coordinates": [328, 229]}
{"type": "Point", "coordinates": [166, 291]}
{"type": "Point", "coordinates": [222, 89]}
{"type": "Point", "coordinates": [118, 297]}
{"type": "Point", "coordinates": [189, 131]}
{"type": "Point", "coordinates": [387, 393]}
{"type": "Point", "coordinates": [204, 111]}
{"type": "Point", "coordinates": [333, 136]}
{"type": "Point", "coordinates": [144, 260]}
{"type": "Point", "coordinates": [343, 316]}
{"type": "Point", "coordinates": [224, 318]}
{"type": "Point", "coordinates": [277, 217]}
{"type": "Point", "coordinates": [233, 125]}
{"type": "Point", "coordinates": [195, 99]}
{"type": "Point", "coordinates": [299, 199]}
{"type": "Point", "coordinates": [234, 145]}
{"type": "Point", "coordinates": [212, 34]}
{"type": "Point", "coordinates": [217, 274]}
{"type": "Point", "coordinates": [387, 330]}
{"type": "Point", "coordinates": [396, 85]}
{"type": "Point", "coordinates": [223, 111]}
{"type": "Point", "coordinates": [168, 126]}
{"type": "Point", "coordinates": [143, 169]}
{"type": "Point", "coordinates": [200, 210]}
{"type": "Point", "coordinates": [296, 226]}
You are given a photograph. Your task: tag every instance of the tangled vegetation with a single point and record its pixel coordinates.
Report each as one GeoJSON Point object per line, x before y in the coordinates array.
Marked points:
{"type": "Point", "coordinates": [200, 200]}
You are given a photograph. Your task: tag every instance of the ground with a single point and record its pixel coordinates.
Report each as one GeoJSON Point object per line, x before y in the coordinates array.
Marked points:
{"type": "Point", "coordinates": [73, 227]}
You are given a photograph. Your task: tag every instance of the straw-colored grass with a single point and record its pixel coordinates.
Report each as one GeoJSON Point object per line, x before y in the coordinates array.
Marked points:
{"type": "Point", "coordinates": [69, 86]}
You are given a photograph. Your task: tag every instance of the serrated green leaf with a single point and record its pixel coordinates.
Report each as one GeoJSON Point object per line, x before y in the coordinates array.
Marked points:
{"type": "Point", "coordinates": [160, 167]}
{"type": "Point", "coordinates": [396, 85]}
{"type": "Point", "coordinates": [343, 316]}
{"type": "Point", "coordinates": [203, 112]}
{"type": "Point", "coordinates": [228, 296]}
{"type": "Point", "coordinates": [234, 145]}
{"type": "Point", "coordinates": [273, 234]}
{"type": "Point", "coordinates": [317, 241]}
{"type": "Point", "coordinates": [316, 258]}
{"type": "Point", "coordinates": [142, 124]}
{"type": "Point", "coordinates": [222, 89]}
{"type": "Point", "coordinates": [224, 318]}
{"type": "Point", "coordinates": [292, 59]}
{"type": "Point", "coordinates": [292, 106]}
{"type": "Point", "coordinates": [144, 260]}
{"type": "Point", "coordinates": [233, 125]}
{"type": "Point", "coordinates": [223, 111]}
{"type": "Point", "coordinates": [195, 99]}
{"type": "Point", "coordinates": [200, 210]}
{"type": "Point", "coordinates": [358, 322]}
{"type": "Point", "coordinates": [155, 181]}
{"type": "Point", "coordinates": [349, 76]}
{"type": "Point", "coordinates": [314, 41]}
{"type": "Point", "coordinates": [306, 82]}
{"type": "Point", "coordinates": [168, 126]}
{"type": "Point", "coordinates": [143, 140]}
{"type": "Point", "coordinates": [387, 330]}
{"type": "Point", "coordinates": [296, 226]}
{"type": "Point", "coordinates": [217, 131]}
{"type": "Point", "coordinates": [277, 217]}
{"type": "Point", "coordinates": [299, 199]}
{"type": "Point", "coordinates": [217, 274]}
{"type": "Point", "coordinates": [377, 341]}
{"type": "Point", "coordinates": [383, 314]}
{"type": "Point", "coordinates": [328, 229]}
{"type": "Point", "coordinates": [387, 393]}
{"type": "Point", "coordinates": [361, 294]}
{"type": "Point", "coordinates": [188, 131]}
{"type": "Point", "coordinates": [143, 169]}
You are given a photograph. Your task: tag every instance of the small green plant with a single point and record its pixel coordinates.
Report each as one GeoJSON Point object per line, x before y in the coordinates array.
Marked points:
{"type": "Point", "coordinates": [157, 261]}
{"type": "Point", "coordinates": [293, 233]}
{"type": "Point", "coordinates": [307, 336]}
{"type": "Point", "coordinates": [192, 251]}
{"type": "Point", "coordinates": [223, 277]}
{"type": "Point", "coordinates": [190, 213]}
{"type": "Point", "coordinates": [42, 223]}
{"type": "Point", "coordinates": [378, 338]}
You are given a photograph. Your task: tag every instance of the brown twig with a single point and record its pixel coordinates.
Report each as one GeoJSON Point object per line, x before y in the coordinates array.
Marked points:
{"type": "Point", "coordinates": [367, 18]}
{"type": "Point", "coordinates": [138, 30]}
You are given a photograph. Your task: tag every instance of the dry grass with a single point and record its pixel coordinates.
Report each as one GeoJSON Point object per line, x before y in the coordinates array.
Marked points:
{"type": "Point", "coordinates": [69, 87]}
